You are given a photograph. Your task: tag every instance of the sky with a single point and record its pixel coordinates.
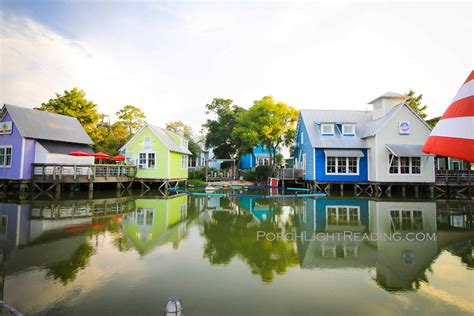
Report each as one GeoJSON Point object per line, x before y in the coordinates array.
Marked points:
{"type": "Point", "coordinates": [172, 58]}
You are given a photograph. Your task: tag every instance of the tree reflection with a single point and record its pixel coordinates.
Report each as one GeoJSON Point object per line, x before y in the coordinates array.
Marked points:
{"type": "Point", "coordinates": [235, 234]}
{"type": "Point", "coordinates": [66, 271]}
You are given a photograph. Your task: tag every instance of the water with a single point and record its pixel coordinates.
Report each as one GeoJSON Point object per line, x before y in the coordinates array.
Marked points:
{"type": "Point", "coordinates": [127, 256]}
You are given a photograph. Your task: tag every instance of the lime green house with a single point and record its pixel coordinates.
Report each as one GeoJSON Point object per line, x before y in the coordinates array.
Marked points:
{"type": "Point", "coordinates": [156, 222]}
{"type": "Point", "coordinates": [158, 153]}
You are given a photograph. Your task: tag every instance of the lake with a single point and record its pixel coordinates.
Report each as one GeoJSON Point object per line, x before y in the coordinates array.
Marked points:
{"type": "Point", "coordinates": [238, 255]}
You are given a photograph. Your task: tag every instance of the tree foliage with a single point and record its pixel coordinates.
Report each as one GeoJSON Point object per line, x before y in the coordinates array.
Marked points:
{"type": "Point", "coordinates": [73, 103]}
{"type": "Point", "coordinates": [111, 137]}
{"type": "Point", "coordinates": [267, 122]}
{"type": "Point", "coordinates": [414, 101]}
{"type": "Point", "coordinates": [186, 131]}
{"type": "Point", "coordinates": [219, 128]}
{"type": "Point", "coordinates": [131, 117]}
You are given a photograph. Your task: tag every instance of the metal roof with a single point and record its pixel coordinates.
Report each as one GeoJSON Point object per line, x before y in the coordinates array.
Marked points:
{"type": "Point", "coordinates": [313, 118]}
{"type": "Point", "coordinates": [405, 150]}
{"type": "Point", "coordinates": [344, 153]}
{"type": "Point", "coordinates": [390, 95]}
{"type": "Point", "coordinates": [64, 148]}
{"type": "Point", "coordinates": [165, 136]}
{"type": "Point", "coordinates": [373, 127]}
{"type": "Point", "coordinates": [48, 126]}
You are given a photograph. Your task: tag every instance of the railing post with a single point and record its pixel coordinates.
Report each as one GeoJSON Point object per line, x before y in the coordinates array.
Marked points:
{"type": "Point", "coordinates": [74, 172]}
{"type": "Point", "coordinates": [44, 171]}
{"type": "Point", "coordinates": [54, 172]}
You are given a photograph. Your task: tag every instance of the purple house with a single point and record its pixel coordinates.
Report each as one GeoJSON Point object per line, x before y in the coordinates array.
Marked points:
{"type": "Point", "coordinates": [30, 136]}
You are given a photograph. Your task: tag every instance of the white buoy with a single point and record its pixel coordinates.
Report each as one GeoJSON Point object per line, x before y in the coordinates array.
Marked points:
{"type": "Point", "coordinates": [174, 307]}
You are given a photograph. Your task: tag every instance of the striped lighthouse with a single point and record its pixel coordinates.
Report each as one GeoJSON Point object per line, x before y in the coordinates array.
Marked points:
{"type": "Point", "coordinates": [453, 135]}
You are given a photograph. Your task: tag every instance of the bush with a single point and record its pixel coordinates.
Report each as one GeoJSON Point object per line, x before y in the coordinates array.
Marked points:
{"type": "Point", "coordinates": [263, 172]}
{"type": "Point", "coordinates": [198, 174]}
{"type": "Point", "coordinates": [249, 175]}
{"type": "Point", "coordinates": [196, 183]}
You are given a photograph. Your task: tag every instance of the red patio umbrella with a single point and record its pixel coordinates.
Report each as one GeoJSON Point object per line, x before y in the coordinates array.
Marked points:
{"type": "Point", "coordinates": [78, 153]}
{"type": "Point", "coordinates": [118, 158]}
{"type": "Point", "coordinates": [101, 156]}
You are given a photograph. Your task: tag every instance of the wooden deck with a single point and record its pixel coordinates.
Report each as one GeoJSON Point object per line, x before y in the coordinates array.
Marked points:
{"type": "Point", "coordinates": [455, 178]}
{"type": "Point", "coordinates": [69, 173]}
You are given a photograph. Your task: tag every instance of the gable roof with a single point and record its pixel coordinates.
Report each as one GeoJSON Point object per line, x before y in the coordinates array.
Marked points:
{"type": "Point", "coordinates": [377, 125]}
{"type": "Point", "coordinates": [48, 126]}
{"type": "Point", "coordinates": [313, 118]}
{"type": "Point", "coordinates": [163, 135]}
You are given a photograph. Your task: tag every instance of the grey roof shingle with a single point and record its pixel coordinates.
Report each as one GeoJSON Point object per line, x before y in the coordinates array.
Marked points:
{"type": "Point", "coordinates": [373, 127]}
{"type": "Point", "coordinates": [312, 119]}
{"type": "Point", "coordinates": [165, 137]}
{"type": "Point", "coordinates": [48, 126]}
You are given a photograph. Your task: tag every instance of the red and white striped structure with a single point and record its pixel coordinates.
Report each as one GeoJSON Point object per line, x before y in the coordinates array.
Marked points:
{"type": "Point", "coordinates": [453, 136]}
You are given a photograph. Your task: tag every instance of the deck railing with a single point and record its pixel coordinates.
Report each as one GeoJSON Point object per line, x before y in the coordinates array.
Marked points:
{"type": "Point", "coordinates": [70, 173]}
{"type": "Point", "coordinates": [455, 177]}
{"type": "Point", "coordinates": [290, 174]}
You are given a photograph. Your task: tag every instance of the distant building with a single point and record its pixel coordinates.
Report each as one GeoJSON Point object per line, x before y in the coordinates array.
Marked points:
{"type": "Point", "coordinates": [260, 156]}
{"type": "Point", "coordinates": [379, 146]}
{"type": "Point", "coordinates": [30, 136]}
{"type": "Point", "coordinates": [158, 153]}
{"type": "Point", "coordinates": [206, 155]}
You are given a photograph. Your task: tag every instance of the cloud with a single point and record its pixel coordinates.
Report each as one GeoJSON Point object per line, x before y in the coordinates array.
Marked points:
{"type": "Point", "coordinates": [172, 59]}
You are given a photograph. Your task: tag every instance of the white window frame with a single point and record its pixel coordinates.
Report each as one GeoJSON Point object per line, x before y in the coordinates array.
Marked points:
{"type": "Point", "coordinates": [302, 138]}
{"type": "Point", "coordinates": [347, 173]}
{"type": "Point", "coordinates": [184, 143]}
{"type": "Point", "coordinates": [5, 147]}
{"type": "Point", "coordinates": [345, 132]}
{"type": "Point", "coordinates": [323, 126]}
{"type": "Point", "coordinates": [265, 161]}
{"type": "Point", "coordinates": [147, 159]}
{"type": "Point", "coordinates": [412, 212]}
{"type": "Point", "coordinates": [410, 166]}
{"type": "Point", "coordinates": [347, 207]}
{"type": "Point", "coordinates": [184, 161]}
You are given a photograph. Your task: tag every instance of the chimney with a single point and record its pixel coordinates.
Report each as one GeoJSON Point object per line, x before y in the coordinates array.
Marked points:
{"type": "Point", "coordinates": [384, 103]}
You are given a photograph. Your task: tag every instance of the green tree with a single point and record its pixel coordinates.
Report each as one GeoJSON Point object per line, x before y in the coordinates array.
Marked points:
{"type": "Point", "coordinates": [186, 131]}
{"type": "Point", "coordinates": [268, 123]}
{"type": "Point", "coordinates": [73, 103]}
{"type": "Point", "coordinates": [132, 117]}
{"type": "Point", "coordinates": [414, 101]}
{"type": "Point", "coordinates": [109, 138]}
{"type": "Point", "coordinates": [432, 122]}
{"type": "Point", "coordinates": [219, 128]}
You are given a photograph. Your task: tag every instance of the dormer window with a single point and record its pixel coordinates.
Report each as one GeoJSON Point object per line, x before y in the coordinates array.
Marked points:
{"type": "Point", "coordinates": [327, 129]}
{"type": "Point", "coordinates": [184, 143]}
{"type": "Point", "coordinates": [348, 129]}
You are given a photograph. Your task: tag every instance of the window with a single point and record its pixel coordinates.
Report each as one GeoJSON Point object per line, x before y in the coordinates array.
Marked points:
{"type": "Point", "coordinates": [5, 156]}
{"type": "Point", "coordinates": [142, 159]}
{"type": "Point", "coordinates": [406, 220]}
{"type": "Point", "coordinates": [342, 165]}
{"type": "Point", "coordinates": [263, 161]}
{"type": "Point", "coordinates": [302, 138]}
{"type": "Point", "coordinates": [404, 165]}
{"type": "Point", "coordinates": [393, 163]}
{"type": "Point", "coordinates": [343, 215]}
{"type": "Point", "coordinates": [147, 139]}
{"type": "Point", "coordinates": [352, 165]}
{"type": "Point", "coordinates": [415, 165]}
{"type": "Point", "coordinates": [184, 143]}
{"type": "Point", "coordinates": [348, 129]}
{"type": "Point", "coordinates": [331, 165]}
{"type": "Point", "coordinates": [151, 160]}
{"type": "Point", "coordinates": [147, 160]}
{"type": "Point", "coordinates": [327, 129]}
{"type": "Point", "coordinates": [184, 161]}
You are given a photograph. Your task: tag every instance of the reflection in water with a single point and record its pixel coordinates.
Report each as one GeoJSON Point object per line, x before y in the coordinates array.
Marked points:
{"type": "Point", "coordinates": [58, 240]}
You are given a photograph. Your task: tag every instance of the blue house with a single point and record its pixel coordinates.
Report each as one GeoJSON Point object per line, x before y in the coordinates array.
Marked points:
{"type": "Point", "coordinates": [328, 146]}
{"type": "Point", "coordinates": [259, 156]}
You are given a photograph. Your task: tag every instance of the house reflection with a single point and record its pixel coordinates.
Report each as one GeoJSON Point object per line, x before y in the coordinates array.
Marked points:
{"type": "Point", "coordinates": [400, 264]}
{"type": "Point", "coordinates": [53, 234]}
{"type": "Point", "coordinates": [156, 222]}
